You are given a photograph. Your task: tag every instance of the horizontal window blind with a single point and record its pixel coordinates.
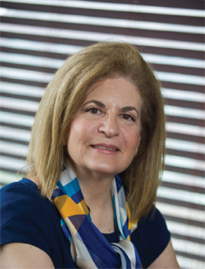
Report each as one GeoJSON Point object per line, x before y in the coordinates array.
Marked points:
{"type": "Point", "coordinates": [38, 35]}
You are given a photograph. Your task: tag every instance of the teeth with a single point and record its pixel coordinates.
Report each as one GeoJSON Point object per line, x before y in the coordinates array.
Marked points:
{"type": "Point", "coordinates": [99, 147]}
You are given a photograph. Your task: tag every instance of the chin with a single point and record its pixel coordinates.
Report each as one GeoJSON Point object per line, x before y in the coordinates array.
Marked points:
{"type": "Point", "coordinates": [108, 172]}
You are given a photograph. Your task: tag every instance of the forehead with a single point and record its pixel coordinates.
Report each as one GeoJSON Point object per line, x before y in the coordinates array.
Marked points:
{"type": "Point", "coordinates": [115, 90]}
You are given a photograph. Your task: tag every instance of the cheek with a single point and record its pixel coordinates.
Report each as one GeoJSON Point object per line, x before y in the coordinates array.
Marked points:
{"type": "Point", "coordinates": [138, 143]}
{"type": "Point", "coordinates": [76, 128]}
{"type": "Point", "coordinates": [138, 139]}
{"type": "Point", "coordinates": [134, 141]}
{"type": "Point", "coordinates": [73, 135]}
{"type": "Point", "coordinates": [80, 132]}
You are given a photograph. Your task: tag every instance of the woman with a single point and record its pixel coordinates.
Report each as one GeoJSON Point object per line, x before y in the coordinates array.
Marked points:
{"type": "Point", "coordinates": [95, 156]}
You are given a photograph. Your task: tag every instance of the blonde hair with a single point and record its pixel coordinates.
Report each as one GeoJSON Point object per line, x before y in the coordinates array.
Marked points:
{"type": "Point", "coordinates": [62, 99]}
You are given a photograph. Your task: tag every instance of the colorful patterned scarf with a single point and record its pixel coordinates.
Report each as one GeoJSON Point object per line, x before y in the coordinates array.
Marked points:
{"type": "Point", "coordinates": [89, 248]}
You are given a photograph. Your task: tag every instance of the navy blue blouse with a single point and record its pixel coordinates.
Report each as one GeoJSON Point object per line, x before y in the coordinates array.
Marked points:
{"type": "Point", "coordinates": [28, 218]}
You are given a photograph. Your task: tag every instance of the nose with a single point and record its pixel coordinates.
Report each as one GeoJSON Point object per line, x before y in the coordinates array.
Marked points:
{"type": "Point", "coordinates": [109, 126]}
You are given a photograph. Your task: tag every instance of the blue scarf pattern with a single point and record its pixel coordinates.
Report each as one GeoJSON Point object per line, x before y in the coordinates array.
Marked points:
{"type": "Point", "coordinates": [89, 248]}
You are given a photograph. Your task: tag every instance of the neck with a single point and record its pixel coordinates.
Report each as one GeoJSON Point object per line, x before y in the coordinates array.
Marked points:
{"type": "Point", "coordinates": [96, 190]}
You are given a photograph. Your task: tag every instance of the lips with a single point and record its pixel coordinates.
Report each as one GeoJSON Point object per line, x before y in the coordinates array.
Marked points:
{"type": "Point", "coordinates": [105, 147]}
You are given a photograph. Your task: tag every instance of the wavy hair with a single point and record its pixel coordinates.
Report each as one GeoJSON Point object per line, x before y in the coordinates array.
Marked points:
{"type": "Point", "coordinates": [64, 96]}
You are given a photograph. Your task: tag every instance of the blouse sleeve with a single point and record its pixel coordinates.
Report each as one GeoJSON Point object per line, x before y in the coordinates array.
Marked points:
{"type": "Point", "coordinates": [151, 237]}
{"type": "Point", "coordinates": [22, 217]}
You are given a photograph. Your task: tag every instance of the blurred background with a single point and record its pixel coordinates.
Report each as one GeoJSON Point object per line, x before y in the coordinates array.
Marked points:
{"type": "Point", "coordinates": [38, 35]}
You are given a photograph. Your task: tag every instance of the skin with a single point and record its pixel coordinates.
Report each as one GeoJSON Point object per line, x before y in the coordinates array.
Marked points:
{"type": "Point", "coordinates": [20, 255]}
{"type": "Point", "coordinates": [103, 139]}
{"type": "Point", "coordinates": [110, 115]}
{"type": "Point", "coordinates": [27, 256]}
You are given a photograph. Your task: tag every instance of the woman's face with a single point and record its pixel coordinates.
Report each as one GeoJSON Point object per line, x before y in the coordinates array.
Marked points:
{"type": "Point", "coordinates": [105, 132]}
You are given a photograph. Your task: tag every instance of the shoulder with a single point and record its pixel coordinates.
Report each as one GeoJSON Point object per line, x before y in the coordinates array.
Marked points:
{"type": "Point", "coordinates": [17, 189]}
{"type": "Point", "coordinates": [153, 220]}
{"type": "Point", "coordinates": [151, 236]}
{"type": "Point", "coordinates": [20, 197]}
{"type": "Point", "coordinates": [23, 214]}
{"type": "Point", "coordinates": [28, 218]}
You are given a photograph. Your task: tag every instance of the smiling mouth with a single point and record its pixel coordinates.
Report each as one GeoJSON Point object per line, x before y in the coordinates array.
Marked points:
{"type": "Point", "coordinates": [106, 148]}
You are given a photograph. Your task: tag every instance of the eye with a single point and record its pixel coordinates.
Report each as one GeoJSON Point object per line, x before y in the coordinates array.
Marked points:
{"type": "Point", "coordinates": [93, 110]}
{"type": "Point", "coordinates": [128, 117]}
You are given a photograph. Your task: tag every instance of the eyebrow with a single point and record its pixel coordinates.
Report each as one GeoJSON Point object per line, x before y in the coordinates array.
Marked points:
{"type": "Point", "coordinates": [98, 103]}
{"type": "Point", "coordinates": [123, 109]}
{"type": "Point", "coordinates": [129, 108]}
